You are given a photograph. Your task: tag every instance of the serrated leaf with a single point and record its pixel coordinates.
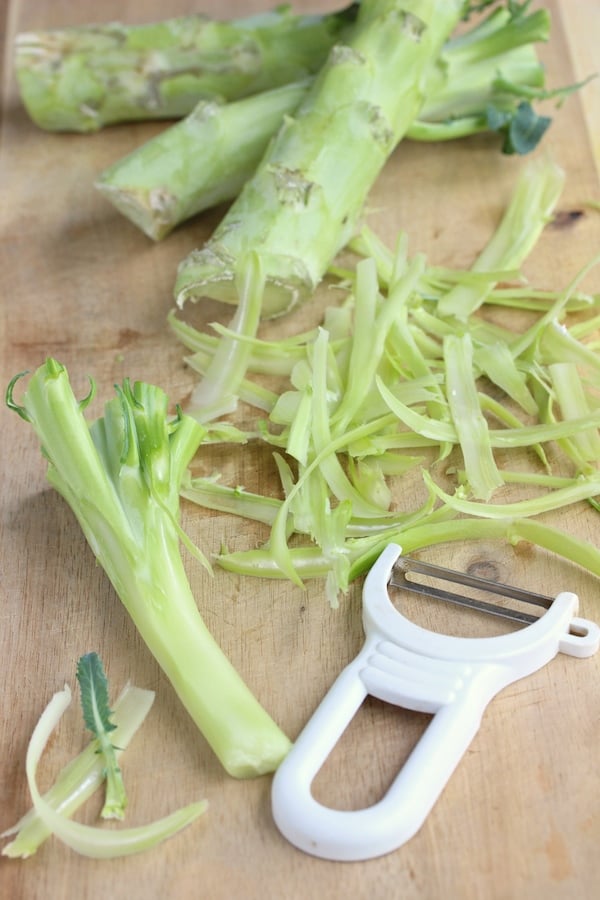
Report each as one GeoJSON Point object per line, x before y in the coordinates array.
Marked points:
{"type": "Point", "coordinates": [93, 685]}
{"type": "Point", "coordinates": [522, 128]}
{"type": "Point", "coordinates": [526, 130]}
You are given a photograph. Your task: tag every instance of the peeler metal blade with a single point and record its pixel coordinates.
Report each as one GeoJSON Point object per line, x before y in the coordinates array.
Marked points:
{"type": "Point", "coordinates": [403, 577]}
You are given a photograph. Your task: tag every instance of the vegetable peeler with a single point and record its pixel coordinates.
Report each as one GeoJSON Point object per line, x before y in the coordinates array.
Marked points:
{"type": "Point", "coordinates": [451, 678]}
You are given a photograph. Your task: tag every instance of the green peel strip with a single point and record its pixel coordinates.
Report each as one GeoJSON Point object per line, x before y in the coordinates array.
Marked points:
{"type": "Point", "coordinates": [82, 776]}
{"type": "Point", "coordinates": [87, 839]}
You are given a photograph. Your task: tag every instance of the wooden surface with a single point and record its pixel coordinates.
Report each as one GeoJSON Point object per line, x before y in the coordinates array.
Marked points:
{"type": "Point", "coordinates": [521, 816]}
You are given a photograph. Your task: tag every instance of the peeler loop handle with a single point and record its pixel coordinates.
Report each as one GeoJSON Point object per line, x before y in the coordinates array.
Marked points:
{"type": "Point", "coordinates": [348, 835]}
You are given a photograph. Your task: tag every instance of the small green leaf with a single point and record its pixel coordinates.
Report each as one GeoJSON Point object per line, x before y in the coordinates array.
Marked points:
{"type": "Point", "coordinates": [522, 128]}
{"type": "Point", "coordinates": [94, 694]}
{"type": "Point", "coordinates": [97, 717]}
{"type": "Point", "coordinates": [526, 130]}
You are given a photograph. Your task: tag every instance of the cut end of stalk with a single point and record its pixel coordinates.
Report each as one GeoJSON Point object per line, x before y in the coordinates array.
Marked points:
{"type": "Point", "coordinates": [151, 211]}
{"type": "Point", "coordinates": [245, 765]}
{"type": "Point", "coordinates": [208, 273]}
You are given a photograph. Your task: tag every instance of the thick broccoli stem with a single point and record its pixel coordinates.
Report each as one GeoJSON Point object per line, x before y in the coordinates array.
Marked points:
{"type": "Point", "coordinates": [162, 607]}
{"type": "Point", "coordinates": [301, 205]}
{"type": "Point", "coordinates": [83, 78]}
{"type": "Point", "coordinates": [121, 477]}
{"type": "Point", "coordinates": [201, 161]}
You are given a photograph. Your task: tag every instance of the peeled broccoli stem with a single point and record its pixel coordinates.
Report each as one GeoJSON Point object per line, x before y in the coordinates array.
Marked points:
{"type": "Point", "coordinates": [121, 477]}
{"type": "Point", "coordinates": [302, 203]}
{"type": "Point", "coordinates": [207, 157]}
{"type": "Point", "coordinates": [83, 78]}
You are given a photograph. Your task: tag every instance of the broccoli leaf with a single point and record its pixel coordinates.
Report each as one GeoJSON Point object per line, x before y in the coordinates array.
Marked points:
{"type": "Point", "coordinates": [522, 128]}
{"type": "Point", "coordinates": [97, 717]}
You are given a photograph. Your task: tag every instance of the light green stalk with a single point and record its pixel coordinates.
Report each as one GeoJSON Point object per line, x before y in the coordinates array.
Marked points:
{"type": "Point", "coordinates": [555, 540]}
{"type": "Point", "coordinates": [83, 78]}
{"type": "Point", "coordinates": [82, 776]}
{"type": "Point", "coordinates": [559, 343]}
{"type": "Point", "coordinates": [302, 204]}
{"type": "Point", "coordinates": [199, 162]}
{"type": "Point", "coordinates": [121, 477]}
{"type": "Point", "coordinates": [207, 157]}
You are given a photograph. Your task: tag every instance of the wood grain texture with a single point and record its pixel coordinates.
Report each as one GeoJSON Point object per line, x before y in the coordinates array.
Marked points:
{"type": "Point", "coordinates": [521, 816]}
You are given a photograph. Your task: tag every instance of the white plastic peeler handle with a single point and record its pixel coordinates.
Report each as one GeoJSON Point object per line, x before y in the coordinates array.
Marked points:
{"type": "Point", "coordinates": [401, 663]}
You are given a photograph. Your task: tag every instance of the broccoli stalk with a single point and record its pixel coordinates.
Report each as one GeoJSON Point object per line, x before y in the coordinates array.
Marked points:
{"type": "Point", "coordinates": [167, 180]}
{"type": "Point", "coordinates": [121, 476]}
{"type": "Point", "coordinates": [201, 161]}
{"type": "Point", "coordinates": [301, 205]}
{"type": "Point", "coordinates": [83, 78]}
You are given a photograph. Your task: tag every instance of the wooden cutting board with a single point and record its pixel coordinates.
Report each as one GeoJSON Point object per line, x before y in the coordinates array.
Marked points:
{"type": "Point", "coordinates": [521, 816]}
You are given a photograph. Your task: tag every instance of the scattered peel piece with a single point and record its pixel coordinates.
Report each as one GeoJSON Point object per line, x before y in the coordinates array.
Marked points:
{"type": "Point", "coordinates": [81, 777]}
{"type": "Point", "coordinates": [89, 840]}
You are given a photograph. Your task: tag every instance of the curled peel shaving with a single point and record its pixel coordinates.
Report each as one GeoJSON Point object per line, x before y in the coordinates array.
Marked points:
{"type": "Point", "coordinates": [89, 840]}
